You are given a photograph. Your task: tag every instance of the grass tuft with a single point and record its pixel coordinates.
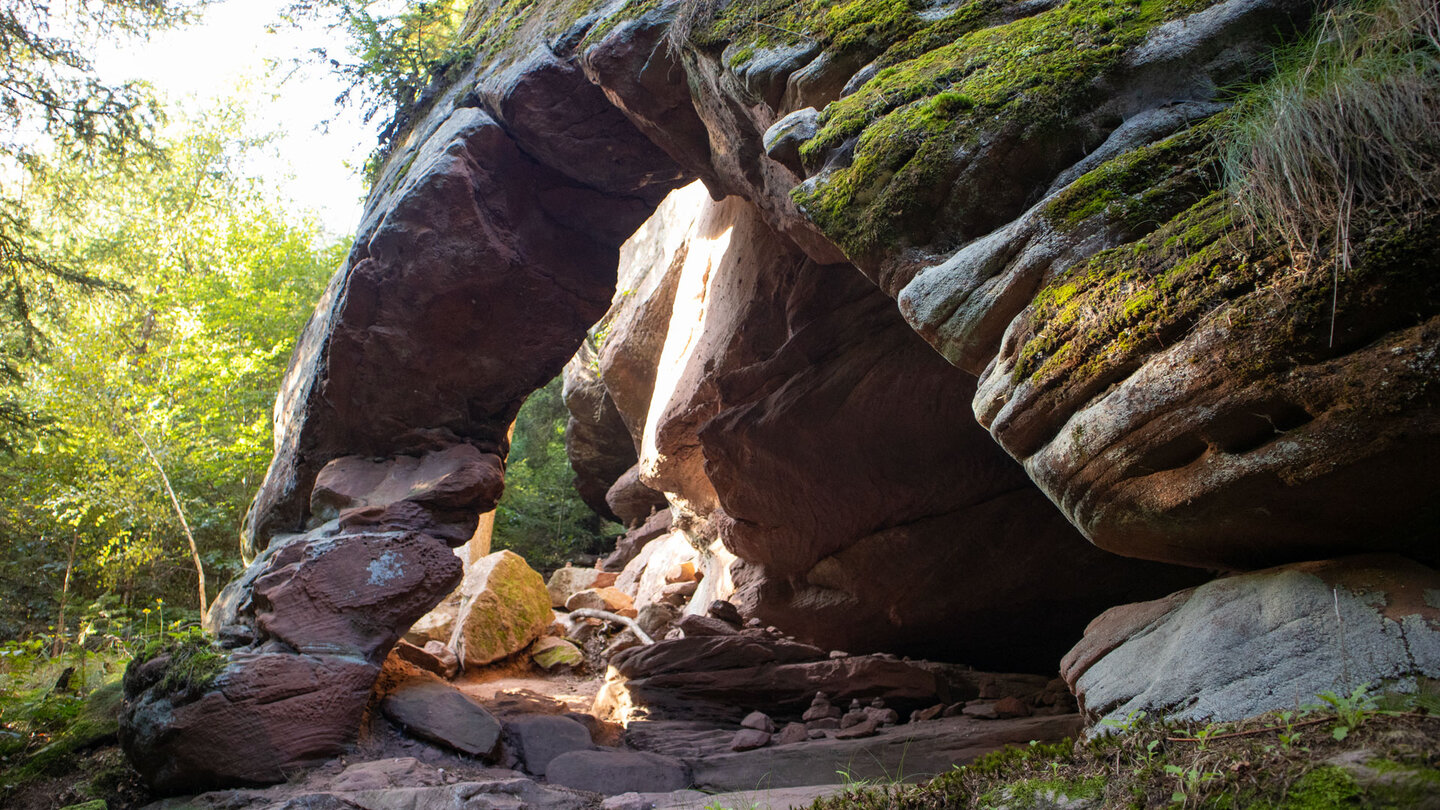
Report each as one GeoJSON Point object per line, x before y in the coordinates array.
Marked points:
{"type": "Point", "coordinates": [1346, 135]}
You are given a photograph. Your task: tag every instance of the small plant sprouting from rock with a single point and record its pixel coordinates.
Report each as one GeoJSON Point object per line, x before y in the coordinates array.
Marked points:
{"type": "Point", "coordinates": [1350, 710]}
{"type": "Point", "coordinates": [191, 667]}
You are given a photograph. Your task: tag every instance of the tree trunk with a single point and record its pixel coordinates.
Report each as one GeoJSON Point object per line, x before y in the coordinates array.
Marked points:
{"type": "Point", "coordinates": [179, 512]}
{"type": "Point", "coordinates": [58, 645]}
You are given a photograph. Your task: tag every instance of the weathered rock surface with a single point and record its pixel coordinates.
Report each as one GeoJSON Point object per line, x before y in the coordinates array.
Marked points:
{"type": "Point", "coordinates": [539, 739]}
{"type": "Point", "coordinates": [796, 798]}
{"type": "Point", "coordinates": [464, 224]}
{"type": "Point", "coordinates": [436, 711]}
{"type": "Point", "coordinates": [393, 784]}
{"type": "Point", "coordinates": [926, 748]}
{"type": "Point", "coordinates": [505, 607]}
{"type": "Point", "coordinates": [311, 619]}
{"type": "Point", "coordinates": [615, 772]}
{"type": "Point", "coordinates": [830, 444]}
{"type": "Point", "coordinates": [267, 714]}
{"type": "Point", "coordinates": [438, 493]}
{"type": "Point", "coordinates": [712, 677]}
{"type": "Point", "coordinates": [1251, 643]}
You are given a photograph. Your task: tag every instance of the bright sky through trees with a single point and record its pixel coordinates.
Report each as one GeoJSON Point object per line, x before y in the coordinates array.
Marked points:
{"type": "Point", "coordinates": [230, 54]}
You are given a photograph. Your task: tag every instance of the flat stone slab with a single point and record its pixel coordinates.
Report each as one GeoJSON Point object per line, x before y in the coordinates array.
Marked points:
{"type": "Point", "coordinates": [498, 794]}
{"type": "Point", "coordinates": [910, 752]}
{"type": "Point", "coordinates": [436, 711]}
{"type": "Point", "coordinates": [793, 798]}
{"type": "Point", "coordinates": [541, 738]}
{"type": "Point", "coordinates": [614, 772]}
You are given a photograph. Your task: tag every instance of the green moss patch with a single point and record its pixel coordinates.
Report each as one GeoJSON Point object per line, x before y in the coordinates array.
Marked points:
{"type": "Point", "coordinates": [953, 85]}
{"type": "Point", "coordinates": [188, 666]}
{"type": "Point", "coordinates": [1101, 316]}
{"type": "Point", "coordinates": [1099, 320]}
{"type": "Point", "coordinates": [1144, 188]}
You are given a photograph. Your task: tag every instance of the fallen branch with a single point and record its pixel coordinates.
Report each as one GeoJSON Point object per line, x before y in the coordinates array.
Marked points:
{"type": "Point", "coordinates": [605, 615]}
{"type": "Point", "coordinates": [1252, 731]}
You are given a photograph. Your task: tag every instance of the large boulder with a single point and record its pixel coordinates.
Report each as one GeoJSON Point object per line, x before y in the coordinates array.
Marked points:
{"type": "Point", "coordinates": [309, 623]}
{"type": "Point", "coordinates": [1256, 642]}
{"type": "Point", "coordinates": [504, 607]}
{"type": "Point", "coordinates": [540, 738]}
{"type": "Point", "coordinates": [433, 710]}
{"type": "Point", "coordinates": [256, 720]}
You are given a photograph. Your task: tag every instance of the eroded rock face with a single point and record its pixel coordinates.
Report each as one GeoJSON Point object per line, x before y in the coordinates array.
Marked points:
{"type": "Point", "coordinates": [596, 439]}
{"type": "Point", "coordinates": [309, 624]}
{"type": "Point", "coordinates": [833, 452]}
{"type": "Point", "coordinates": [268, 714]}
{"type": "Point", "coordinates": [1258, 642]}
{"type": "Point", "coordinates": [437, 493]}
{"type": "Point", "coordinates": [481, 219]}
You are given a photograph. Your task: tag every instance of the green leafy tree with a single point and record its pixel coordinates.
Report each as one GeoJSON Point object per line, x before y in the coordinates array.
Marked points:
{"type": "Point", "coordinates": [164, 386]}
{"type": "Point", "coordinates": [52, 104]}
{"type": "Point", "coordinates": [541, 517]}
{"type": "Point", "coordinates": [394, 53]}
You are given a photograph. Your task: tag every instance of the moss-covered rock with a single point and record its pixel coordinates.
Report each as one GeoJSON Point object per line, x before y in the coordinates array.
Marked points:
{"type": "Point", "coordinates": [1012, 97]}
{"type": "Point", "coordinates": [505, 607]}
{"type": "Point", "coordinates": [549, 652]}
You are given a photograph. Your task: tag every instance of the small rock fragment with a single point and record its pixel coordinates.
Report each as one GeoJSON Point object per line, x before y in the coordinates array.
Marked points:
{"type": "Point", "coordinates": [922, 715]}
{"type": "Point", "coordinates": [726, 612]}
{"type": "Point", "coordinates": [748, 739]}
{"type": "Point", "coordinates": [792, 733]}
{"type": "Point", "coordinates": [865, 728]}
{"type": "Point", "coordinates": [1009, 707]}
{"type": "Point", "coordinates": [693, 625]}
{"type": "Point", "coordinates": [759, 721]}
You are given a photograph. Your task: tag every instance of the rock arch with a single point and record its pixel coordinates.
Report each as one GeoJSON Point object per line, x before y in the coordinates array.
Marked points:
{"type": "Point", "coordinates": [489, 247]}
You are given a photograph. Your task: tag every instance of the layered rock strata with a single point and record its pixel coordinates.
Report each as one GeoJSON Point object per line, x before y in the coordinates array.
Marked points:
{"type": "Point", "coordinates": [831, 450]}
